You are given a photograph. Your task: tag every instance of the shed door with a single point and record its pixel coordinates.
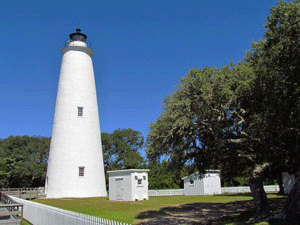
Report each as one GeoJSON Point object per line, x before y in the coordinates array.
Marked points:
{"type": "Point", "coordinates": [140, 192]}
{"type": "Point", "coordinates": [119, 187]}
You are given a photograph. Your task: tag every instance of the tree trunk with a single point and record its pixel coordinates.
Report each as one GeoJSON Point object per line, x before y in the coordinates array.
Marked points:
{"type": "Point", "coordinates": [259, 195]}
{"type": "Point", "coordinates": [291, 211]}
{"type": "Point", "coordinates": [280, 184]}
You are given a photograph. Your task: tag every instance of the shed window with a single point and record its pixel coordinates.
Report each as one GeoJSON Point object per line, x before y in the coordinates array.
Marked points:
{"type": "Point", "coordinates": [81, 171]}
{"type": "Point", "coordinates": [139, 181]}
{"type": "Point", "coordinates": [144, 177]}
{"type": "Point", "coordinates": [191, 182]}
{"type": "Point", "coordinates": [80, 111]}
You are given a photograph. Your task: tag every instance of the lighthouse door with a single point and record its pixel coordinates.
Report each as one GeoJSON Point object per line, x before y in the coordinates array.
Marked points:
{"type": "Point", "coordinates": [119, 187]}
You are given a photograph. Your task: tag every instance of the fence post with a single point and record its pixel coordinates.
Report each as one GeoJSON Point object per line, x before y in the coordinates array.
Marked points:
{"type": "Point", "coordinates": [21, 214]}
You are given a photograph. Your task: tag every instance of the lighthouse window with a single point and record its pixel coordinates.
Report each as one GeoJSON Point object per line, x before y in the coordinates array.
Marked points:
{"type": "Point", "coordinates": [80, 111]}
{"type": "Point", "coordinates": [81, 171]}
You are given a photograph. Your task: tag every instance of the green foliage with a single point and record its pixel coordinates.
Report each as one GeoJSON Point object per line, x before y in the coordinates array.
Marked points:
{"type": "Point", "coordinates": [202, 122]}
{"type": "Point", "coordinates": [162, 176]}
{"type": "Point", "coordinates": [121, 149]}
{"type": "Point", "coordinates": [5, 170]}
{"type": "Point", "coordinates": [275, 105]}
{"type": "Point", "coordinates": [247, 113]}
{"type": "Point", "coordinates": [23, 161]}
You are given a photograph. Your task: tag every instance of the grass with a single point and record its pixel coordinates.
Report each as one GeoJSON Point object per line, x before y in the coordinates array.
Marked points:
{"type": "Point", "coordinates": [25, 222]}
{"type": "Point", "coordinates": [135, 212]}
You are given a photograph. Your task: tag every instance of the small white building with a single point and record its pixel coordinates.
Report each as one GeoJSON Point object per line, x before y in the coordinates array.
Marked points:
{"type": "Point", "coordinates": [206, 184]}
{"type": "Point", "coordinates": [128, 185]}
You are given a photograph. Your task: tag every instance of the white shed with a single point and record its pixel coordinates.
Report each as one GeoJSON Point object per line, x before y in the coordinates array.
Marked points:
{"type": "Point", "coordinates": [207, 184]}
{"type": "Point", "coordinates": [128, 185]}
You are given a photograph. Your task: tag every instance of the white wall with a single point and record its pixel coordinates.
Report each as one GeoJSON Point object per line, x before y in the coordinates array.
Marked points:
{"type": "Point", "coordinates": [76, 140]}
{"type": "Point", "coordinates": [212, 184]}
{"type": "Point", "coordinates": [120, 187]}
{"type": "Point", "coordinates": [124, 185]}
{"type": "Point", "coordinates": [197, 188]}
{"type": "Point", "coordinates": [139, 191]}
{"type": "Point", "coordinates": [209, 184]}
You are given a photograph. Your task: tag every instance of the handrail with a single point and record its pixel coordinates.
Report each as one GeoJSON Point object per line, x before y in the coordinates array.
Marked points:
{"type": "Point", "coordinates": [27, 193]}
{"type": "Point", "coordinates": [14, 209]}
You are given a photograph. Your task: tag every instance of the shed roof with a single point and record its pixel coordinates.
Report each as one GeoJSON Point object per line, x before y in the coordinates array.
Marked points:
{"type": "Point", "coordinates": [129, 170]}
{"type": "Point", "coordinates": [197, 173]}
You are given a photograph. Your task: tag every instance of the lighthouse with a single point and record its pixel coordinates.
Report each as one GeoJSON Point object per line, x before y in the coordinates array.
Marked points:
{"type": "Point", "coordinates": [75, 166]}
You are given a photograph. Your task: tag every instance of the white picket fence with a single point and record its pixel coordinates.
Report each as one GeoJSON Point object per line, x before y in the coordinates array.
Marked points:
{"type": "Point", "coordinates": [166, 192]}
{"type": "Point", "coordinates": [40, 214]}
{"type": "Point", "coordinates": [246, 189]}
{"type": "Point", "coordinates": [241, 189]}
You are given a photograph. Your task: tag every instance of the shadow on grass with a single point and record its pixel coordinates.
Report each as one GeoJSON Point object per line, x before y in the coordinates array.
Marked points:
{"type": "Point", "coordinates": [239, 212]}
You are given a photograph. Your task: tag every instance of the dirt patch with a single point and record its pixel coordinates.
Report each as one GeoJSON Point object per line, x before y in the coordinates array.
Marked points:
{"type": "Point", "coordinates": [239, 212]}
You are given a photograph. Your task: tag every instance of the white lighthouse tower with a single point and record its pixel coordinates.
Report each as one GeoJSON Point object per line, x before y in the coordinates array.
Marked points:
{"type": "Point", "coordinates": [75, 167]}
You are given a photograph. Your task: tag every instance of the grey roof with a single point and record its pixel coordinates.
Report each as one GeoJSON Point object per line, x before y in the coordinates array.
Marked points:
{"type": "Point", "coordinates": [129, 170]}
{"type": "Point", "coordinates": [197, 173]}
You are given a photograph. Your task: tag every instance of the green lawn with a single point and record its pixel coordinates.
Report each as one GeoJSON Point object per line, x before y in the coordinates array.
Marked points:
{"type": "Point", "coordinates": [134, 212]}
{"type": "Point", "coordinates": [25, 223]}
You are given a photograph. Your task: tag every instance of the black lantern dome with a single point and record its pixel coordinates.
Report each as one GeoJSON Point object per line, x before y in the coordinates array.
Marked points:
{"type": "Point", "coordinates": [78, 36]}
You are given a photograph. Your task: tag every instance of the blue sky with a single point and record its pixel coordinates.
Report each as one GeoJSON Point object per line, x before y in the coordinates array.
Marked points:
{"type": "Point", "coordinates": [141, 48]}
